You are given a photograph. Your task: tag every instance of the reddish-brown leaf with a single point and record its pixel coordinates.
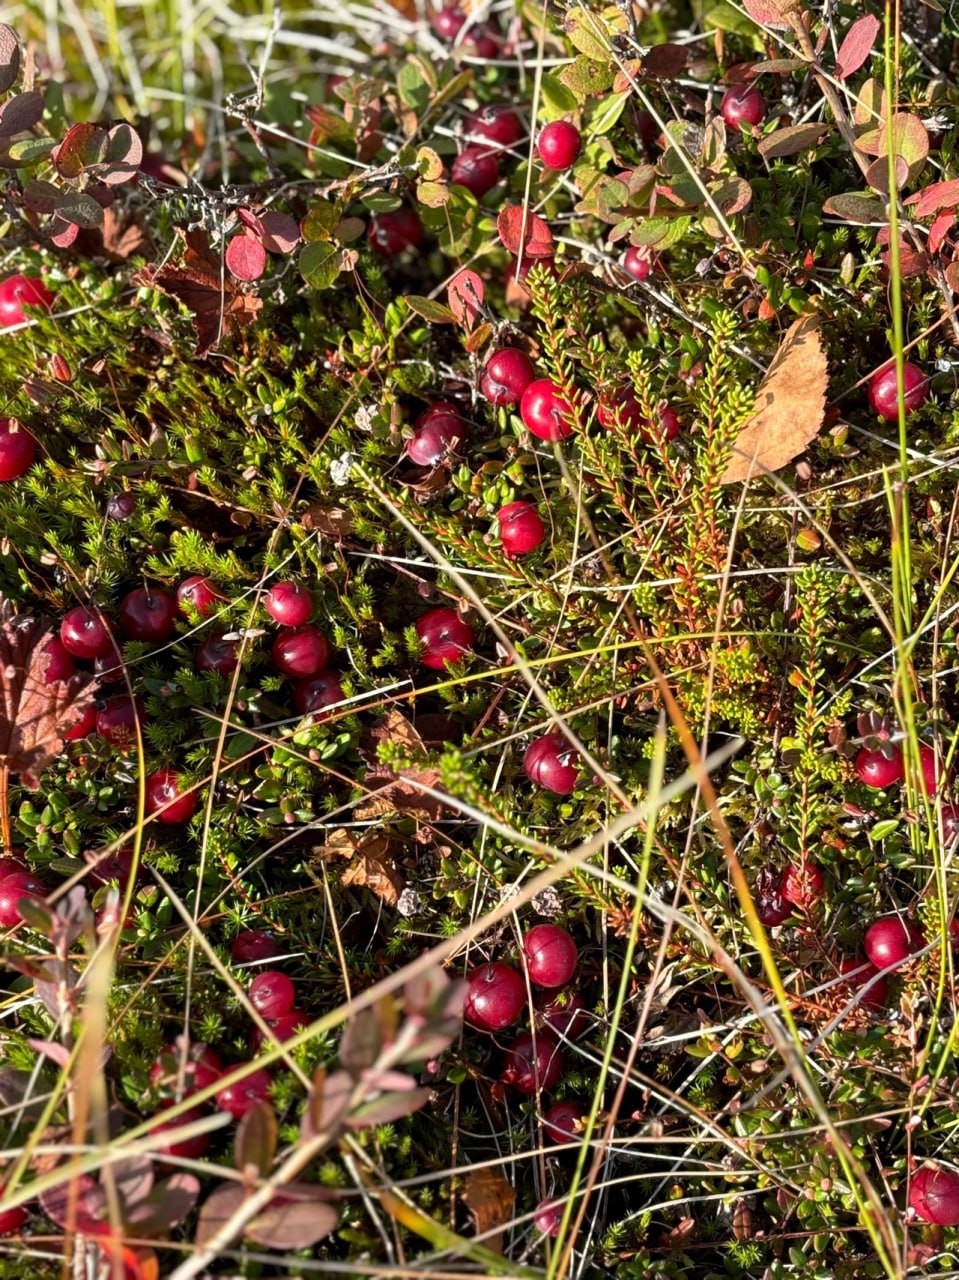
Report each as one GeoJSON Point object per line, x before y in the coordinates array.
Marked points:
{"type": "Point", "coordinates": [281, 233]}
{"type": "Point", "coordinates": [521, 229]}
{"type": "Point", "coordinates": [245, 257]}
{"type": "Point", "coordinates": [490, 1199]}
{"type": "Point", "coordinates": [373, 861]}
{"type": "Point", "coordinates": [665, 61]}
{"type": "Point", "coordinates": [857, 45]}
{"type": "Point", "coordinates": [20, 113]}
{"type": "Point", "coordinates": [397, 792]}
{"type": "Point", "coordinates": [938, 195]}
{"type": "Point", "coordinates": [465, 297]}
{"type": "Point", "coordinates": [33, 714]}
{"type": "Point", "coordinates": [9, 57]}
{"type": "Point", "coordinates": [940, 228]}
{"type": "Point", "coordinates": [769, 12]}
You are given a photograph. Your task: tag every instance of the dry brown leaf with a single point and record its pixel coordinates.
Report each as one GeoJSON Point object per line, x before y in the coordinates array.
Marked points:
{"type": "Point", "coordinates": [490, 1199]}
{"type": "Point", "coordinates": [332, 522]}
{"type": "Point", "coordinates": [789, 406]}
{"type": "Point", "coordinates": [373, 863]}
{"type": "Point", "coordinates": [33, 714]}
{"type": "Point", "coordinates": [397, 792]}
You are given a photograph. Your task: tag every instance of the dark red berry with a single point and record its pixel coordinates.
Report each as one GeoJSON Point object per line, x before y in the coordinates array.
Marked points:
{"type": "Point", "coordinates": [743, 104]}
{"type": "Point", "coordinates": [931, 766]}
{"type": "Point", "coordinates": [551, 762]}
{"type": "Point", "coordinates": [545, 410]}
{"type": "Point", "coordinates": [117, 719]}
{"type": "Point", "coordinates": [548, 1217]}
{"type": "Point", "coordinates": [495, 998]}
{"type": "Point", "coordinates": [289, 604]}
{"type": "Point", "coordinates": [529, 1068]}
{"type": "Point", "coordinates": [315, 693]}
{"type": "Point", "coordinates": [803, 884]}
{"type": "Point", "coordinates": [272, 994]}
{"type": "Point", "coordinates": [499, 125]}
{"type": "Point", "coordinates": [252, 945]}
{"type": "Point", "coordinates": [563, 1013]}
{"type": "Point", "coordinates": [11, 1220]}
{"type": "Point", "coordinates": [480, 42]}
{"type": "Point", "coordinates": [395, 230]}
{"type": "Point", "coordinates": [884, 391]}
{"type": "Point", "coordinates": [85, 633]}
{"type": "Point", "coordinates": [60, 665]}
{"type": "Point", "coordinates": [771, 907]}
{"type": "Point", "coordinates": [561, 1121]}
{"type": "Point", "coordinates": [950, 823]}
{"type": "Point", "coordinates": [878, 769]}
{"type": "Point", "coordinates": [438, 432]}
{"type": "Point", "coordinates": [506, 375]}
{"type": "Point", "coordinates": [857, 973]}
{"type": "Point", "coordinates": [200, 593]}
{"type": "Point", "coordinates": [185, 1148]}
{"type": "Point", "coordinates": [121, 506]}
{"type": "Point", "coordinates": [281, 1029]}
{"type": "Point", "coordinates": [8, 866]}
{"type": "Point", "coordinates": [18, 449]}
{"type": "Point", "coordinates": [637, 262]}
{"type": "Point", "coordinates": [113, 868]}
{"type": "Point", "coordinates": [559, 144]}
{"type": "Point", "coordinates": [551, 955]}
{"type": "Point", "coordinates": [447, 22]}
{"type": "Point", "coordinates": [303, 651]}
{"type": "Point", "coordinates": [891, 941]}
{"type": "Point", "coordinates": [13, 889]}
{"type": "Point", "coordinates": [17, 292]}
{"type": "Point", "coordinates": [647, 128]}
{"type": "Point", "coordinates": [624, 405]}
{"type": "Point", "coordinates": [165, 799]}
{"type": "Point", "coordinates": [147, 613]}
{"type": "Point", "coordinates": [217, 654]}
{"type": "Point", "coordinates": [241, 1097]}
{"type": "Point", "coordinates": [82, 726]}
{"type": "Point", "coordinates": [521, 528]}
{"type": "Point", "coordinates": [934, 1195]}
{"type": "Point", "coordinates": [178, 1075]}
{"type": "Point", "coordinates": [476, 169]}
{"type": "Point", "coordinates": [445, 638]}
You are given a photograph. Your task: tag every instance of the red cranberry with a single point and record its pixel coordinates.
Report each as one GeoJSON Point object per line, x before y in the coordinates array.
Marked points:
{"type": "Point", "coordinates": [85, 633]}
{"type": "Point", "coordinates": [17, 292]}
{"type": "Point", "coordinates": [114, 868]}
{"type": "Point", "coordinates": [545, 410]}
{"type": "Point", "coordinates": [552, 763]}
{"type": "Point", "coordinates": [447, 22]}
{"type": "Point", "coordinates": [637, 263]}
{"type": "Point", "coordinates": [480, 42]}
{"type": "Point", "coordinates": [934, 1195]}
{"type": "Point", "coordinates": [507, 374]}
{"type": "Point", "coordinates": [647, 128]}
{"type": "Point", "coordinates": [176, 1076]}
{"type": "Point", "coordinates": [18, 449]}
{"type": "Point", "coordinates": [931, 766]}
{"type": "Point", "coordinates": [551, 955]}
{"type": "Point", "coordinates": [217, 654]}
{"type": "Point", "coordinates": [743, 103]}
{"type": "Point", "coordinates": [272, 994]}
{"type": "Point", "coordinates": [521, 528]}
{"type": "Point", "coordinates": [884, 392]}
{"type": "Point", "coordinates": [11, 1220]}
{"type": "Point", "coordinates": [495, 998]}
{"type": "Point", "coordinates": [117, 720]}
{"type": "Point", "coordinates": [147, 614]}
{"type": "Point", "coordinates": [9, 866]}
{"type": "Point", "coordinates": [252, 945]}
{"type": "Point", "coordinates": [476, 169]}
{"type": "Point", "coordinates": [289, 604]}
{"type": "Point", "coordinates": [950, 823]}
{"type": "Point", "coordinates": [771, 907]}
{"type": "Point", "coordinates": [857, 973]}
{"type": "Point", "coordinates": [13, 889]}
{"type": "Point", "coordinates": [241, 1097]}
{"type": "Point", "coordinates": [437, 433]}
{"type": "Point", "coordinates": [878, 770]}
{"type": "Point", "coordinates": [200, 593]}
{"type": "Point", "coordinates": [625, 406]}
{"type": "Point", "coordinates": [445, 638]}
{"type": "Point", "coordinates": [304, 651]}
{"type": "Point", "coordinates": [559, 144]}
{"type": "Point", "coordinates": [564, 1014]}
{"type": "Point", "coordinates": [803, 885]}
{"type": "Point", "coordinates": [60, 665]}
{"type": "Point", "coordinates": [281, 1029]}
{"type": "Point", "coordinates": [166, 800]}
{"type": "Point", "coordinates": [121, 506]}
{"type": "Point", "coordinates": [497, 124]}
{"type": "Point", "coordinates": [316, 693]}
{"type": "Point", "coordinates": [548, 1217]}
{"type": "Point", "coordinates": [561, 1121]}
{"type": "Point", "coordinates": [891, 941]}
{"type": "Point", "coordinates": [82, 727]}
{"type": "Point", "coordinates": [185, 1148]}
{"type": "Point", "coordinates": [392, 232]}
{"type": "Point", "coordinates": [527, 1068]}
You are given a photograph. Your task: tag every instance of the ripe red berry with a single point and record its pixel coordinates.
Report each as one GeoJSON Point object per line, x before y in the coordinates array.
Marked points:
{"type": "Point", "coordinates": [81, 727]}
{"type": "Point", "coordinates": [803, 885]}
{"type": "Point", "coordinates": [447, 22]}
{"type": "Point", "coordinates": [563, 1013]}
{"type": "Point", "coordinates": [13, 889]}
{"type": "Point", "coordinates": [550, 954]}
{"type": "Point", "coordinates": [200, 593]}
{"type": "Point", "coordinates": [60, 665]}
{"type": "Point", "coordinates": [950, 823]}
{"type": "Point", "coordinates": [878, 770]}
{"type": "Point", "coordinates": [437, 433]}
{"type": "Point", "coordinates": [241, 1097]}
{"type": "Point", "coordinates": [545, 410]}
{"type": "Point", "coordinates": [85, 633]}
{"type": "Point", "coordinates": [11, 1220]}
{"type": "Point", "coordinates": [147, 613]}
{"type": "Point", "coordinates": [272, 994]}
{"type": "Point", "coordinates": [884, 392]}
{"type": "Point", "coordinates": [289, 604]}
{"type": "Point", "coordinates": [217, 654]}
{"type": "Point", "coordinates": [117, 719]}
{"type": "Point", "coordinates": [559, 144]}
{"type": "Point", "coordinates": [316, 693]}
{"type": "Point", "coordinates": [561, 1121]}
{"type": "Point", "coordinates": [934, 1195]}
{"type": "Point", "coordinates": [252, 945]}
{"type": "Point", "coordinates": [476, 169]}
{"type": "Point", "coordinates": [114, 868]}
{"type": "Point", "coordinates": [480, 42]}
{"type": "Point", "coordinates": [185, 1148]}
{"type": "Point", "coordinates": [638, 263]}
{"type": "Point", "coordinates": [499, 125]}
{"type": "Point", "coordinates": [552, 763]}
{"type": "Point", "coordinates": [771, 907]}
{"type": "Point", "coordinates": [303, 651]}
{"type": "Point", "coordinates": [506, 375]}
{"type": "Point", "coordinates": [9, 865]}
{"type": "Point", "coordinates": [528, 1067]}
{"type": "Point", "coordinates": [647, 128]}
{"type": "Point", "coordinates": [495, 998]}
{"type": "Point", "coordinates": [521, 528]}
{"type": "Point", "coordinates": [121, 506]}
{"type": "Point", "coordinates": [931, 766]}
{"type": "Point", "coordinates": [281, 1029]}
{"type": "Point", "coordinates": [743, 104]}
{"type": "Point", "coordinates": [857, 973]}
{"type": "Point", "coordinates": [445, 638]}
{"type": "Point", "coordinates": [548, 1217]}
{"type": "Point", "coordinates": [624, 405]}
{"type": "Point", "coordinates": [18, 449]}
{"type": "Point", "coordinates": [17, 292]}
{"type": "Point", "coordinates": [891, 941]}
{"type": "Point", "coordinates": [176, 1075]}
{"type": "Point", "coordinates": [395, 230]}
{"type": "Point", "coordinates": [165, 799]}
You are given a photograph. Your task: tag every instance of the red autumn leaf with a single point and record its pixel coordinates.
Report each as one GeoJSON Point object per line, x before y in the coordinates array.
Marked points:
{"type": "Point", "coordinates": [465, 297]}
{"type": "Point", "coordinates": [769, 13]}
{"type": "Point", "coordinates": [281, 233]}
{"type": "Point", "coordinates": [525, 233]}
{"type": "Point", "coordinates": [245, 258]}
{"type": "Point", "coordinates": [938, 195]}
{"type": "Point", "coordinates": [250, 221]}
{"type": "Point", "coordinates": [940, 229]}
{"type": "Point", "coordinates": [857, 45]}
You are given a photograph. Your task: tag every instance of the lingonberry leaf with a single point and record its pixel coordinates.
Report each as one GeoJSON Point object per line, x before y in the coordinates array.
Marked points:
{"type": "Point", "coordinates": [34, 714]}
{"type": "Point", "coordinates": [522, 230]}
{"type": "Point", "coordinates": [156, 1210]}
{"type": "Point", "coordinates": [245, 257]}
{"type": "Point", "coordinates": [78, 1203]}
{"type": "Point", "coordinates": [388, 1107]}
{"type": "Point", "coordinates": [9, 57]}
{"type": "Point", "coordinates": [855, 207]}
{"type": "Point", "coordinates": [857, 45]}
{"type": "Point", "coordinates": [909, 139]}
